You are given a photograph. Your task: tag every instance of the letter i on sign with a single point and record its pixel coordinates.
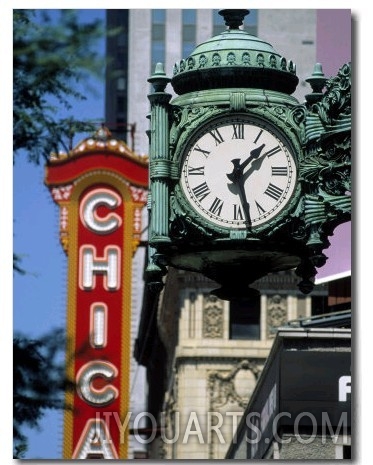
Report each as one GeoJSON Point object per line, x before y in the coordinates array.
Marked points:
{"type": "Point", "coordinates": [98, 330]}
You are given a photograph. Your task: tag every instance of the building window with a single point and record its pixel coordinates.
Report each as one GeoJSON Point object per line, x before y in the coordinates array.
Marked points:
{"type": "Point", "coordinates": [158, 37]}
{"type": "Point", "coordinates": [189, 32]}
{"type": "Point", "coordinates": [121, 101]}
{"type": "Point", "coordinates": [245, 319]}
{"type": "Point", "coordinates": [347, 452]}
{"type": "Point", "coordinates": [122, 39]}
{"type": "Point", "coordinates": [121, 127]}
{"type": "Point", "coordinates": [319, 305]}
{"type": "Point", "coordinates": [121, 83]}
{"type": "Point", "coordinates": [121, 60]}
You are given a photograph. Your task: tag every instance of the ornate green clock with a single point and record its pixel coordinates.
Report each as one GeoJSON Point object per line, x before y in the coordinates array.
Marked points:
{"type": "Point", "coordinates": [238, 172]}
{"type": "Point", "coordinates": [245, 180]}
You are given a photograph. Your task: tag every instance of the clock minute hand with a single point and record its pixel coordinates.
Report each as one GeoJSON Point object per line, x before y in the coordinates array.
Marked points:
{"type": "Point", "coordinates": [238, 178]}
{"type": "Point", "coordinates": [238, 187]}
{"type": "Point", "coordinates": [245, 204]}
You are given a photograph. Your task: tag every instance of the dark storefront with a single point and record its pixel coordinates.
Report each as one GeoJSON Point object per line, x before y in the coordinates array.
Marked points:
{"type": "Point", "coordinates": [301, 407]}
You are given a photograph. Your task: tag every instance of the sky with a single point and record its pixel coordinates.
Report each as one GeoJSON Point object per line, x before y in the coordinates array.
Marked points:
{"type": "Point", "coordinates": [30, 226]}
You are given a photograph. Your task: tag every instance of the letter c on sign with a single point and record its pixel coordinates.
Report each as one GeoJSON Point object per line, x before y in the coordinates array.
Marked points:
{"type": "Point", "coordinates": [88, 213]}
{"type": "Point", "coordinates": [85, 377]}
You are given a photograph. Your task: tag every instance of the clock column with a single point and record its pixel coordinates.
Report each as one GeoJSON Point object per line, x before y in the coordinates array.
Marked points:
{"type": "Point", "coordinates": [159, 168]}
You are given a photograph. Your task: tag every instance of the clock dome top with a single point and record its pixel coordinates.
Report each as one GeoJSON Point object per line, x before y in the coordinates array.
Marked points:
{"type": "Point", "coordinates": [234, 58]}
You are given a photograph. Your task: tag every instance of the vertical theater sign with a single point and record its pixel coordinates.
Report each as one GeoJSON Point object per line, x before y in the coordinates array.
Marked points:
{"type": "Point", "coordinates": [101, 190]}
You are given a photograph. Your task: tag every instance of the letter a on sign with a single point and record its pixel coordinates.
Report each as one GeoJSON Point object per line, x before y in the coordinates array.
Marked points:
{"type": "Point", "coordinates": [95, 441]}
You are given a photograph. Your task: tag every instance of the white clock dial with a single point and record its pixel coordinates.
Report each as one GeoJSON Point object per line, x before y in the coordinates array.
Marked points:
{"type": "Point", "coordinates": [238, 174]}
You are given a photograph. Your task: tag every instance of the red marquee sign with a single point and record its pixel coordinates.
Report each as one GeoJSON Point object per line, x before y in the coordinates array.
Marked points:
{"type": "Point", "coordinates": [101, 189]}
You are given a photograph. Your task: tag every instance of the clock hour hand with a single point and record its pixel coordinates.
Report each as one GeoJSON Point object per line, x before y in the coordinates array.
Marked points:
{"type": "Point", "coordinates": [255, 166]}
{"type": "Point", "coordinates": [254, 154]}
{"type": "Point", "coordinates": [238, 167]}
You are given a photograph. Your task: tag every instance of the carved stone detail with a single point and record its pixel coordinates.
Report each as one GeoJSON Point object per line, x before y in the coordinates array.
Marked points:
{"type": "Point", "coordinates": [221, 385]}
{"type": "Point", "coordinates": [276, 313]}
{"type": "Point", "coordinates": [225, 393]}
{"type": "Point", "coordinates": [168, 420]}
{"type": "Point", "coordinates": [162, 450]}
{"type": "Point", "coordinates": [212, 320]}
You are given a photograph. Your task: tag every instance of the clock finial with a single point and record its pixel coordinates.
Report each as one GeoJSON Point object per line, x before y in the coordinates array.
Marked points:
{"type": "Point", "coordinates": [234, 18]}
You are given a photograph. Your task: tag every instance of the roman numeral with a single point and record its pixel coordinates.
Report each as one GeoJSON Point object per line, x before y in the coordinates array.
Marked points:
{"type": "Point", "coordinates": [273, 151]}
{"type": "Point", "coordinates": [273, 191]}
{"type": "Point", "coordinates": [260, 208]}
{"type": "Point", "coordinates": [196, 171]}
{"type": "Point", "coordinates": [279, 170]}
{"type": "Point", "coordinates": [201, 191]}
{"type": "Point", "coordinates": [204, 152]}
{"type": "Point", "coordinates": [216, 206]}
{"type": "Point", "coordinates": [217, 136]}
{"type": "Point", "coordinates": [237, 212]}
{"type": "Point", "coordinates": [257, 137]}
{"type": "Point", "coordinates": [238, 131]}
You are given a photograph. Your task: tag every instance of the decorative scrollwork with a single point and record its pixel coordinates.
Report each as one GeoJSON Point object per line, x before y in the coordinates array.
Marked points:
{"type": "Point", "coordinates": [325, 171]}
{"type": "Point", "coordinates": [332, 114]}
{"type": "Point", "coordinates": [183, 227]}
{"type": "Point", "coordinates": [185, 121]}
{"type": "Point", "coordinates": [222, 384]}
{"type": "Point", "coordinates": [290, 118]}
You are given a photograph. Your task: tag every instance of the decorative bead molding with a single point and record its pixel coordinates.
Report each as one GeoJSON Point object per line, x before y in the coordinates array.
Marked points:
{"type": "Point", "coordinates": [230, 58]}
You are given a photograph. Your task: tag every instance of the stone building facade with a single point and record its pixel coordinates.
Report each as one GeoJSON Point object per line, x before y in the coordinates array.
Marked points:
{"type": "Point", "coordinates": [302, 414]}
{"type": "Point", "coordinates": [211, 359]}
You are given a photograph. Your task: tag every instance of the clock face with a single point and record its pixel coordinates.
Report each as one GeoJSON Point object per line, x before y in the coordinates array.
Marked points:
{"type": "Point", "coordinates": [238, 174]}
